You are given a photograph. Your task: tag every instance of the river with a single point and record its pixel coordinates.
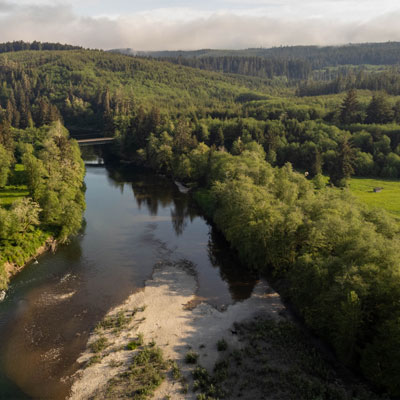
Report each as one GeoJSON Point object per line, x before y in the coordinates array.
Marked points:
{"type": "Point", "coordinates": [133, 220]}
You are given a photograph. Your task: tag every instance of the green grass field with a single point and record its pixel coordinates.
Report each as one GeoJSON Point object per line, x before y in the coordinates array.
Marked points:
{"type": "Point", "coordinates": [11, 193]}
{"type": "Point", "coordinates": [14, 192]}
{"type": "Point", "coordinates": [388, 198]}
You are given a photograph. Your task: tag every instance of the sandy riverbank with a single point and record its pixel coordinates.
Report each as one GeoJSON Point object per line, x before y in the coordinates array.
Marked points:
{"type": "Point", "coordinates": [166, 318]}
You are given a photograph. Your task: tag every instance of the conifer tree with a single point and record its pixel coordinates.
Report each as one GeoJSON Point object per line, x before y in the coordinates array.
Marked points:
{"type": "Point", "coordinates": [379, 110]}
{"type": "Point", "coordinates": [350, 108]}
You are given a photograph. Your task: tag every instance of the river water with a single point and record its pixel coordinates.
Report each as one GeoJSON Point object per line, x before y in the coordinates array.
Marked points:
{"type": "Point", "coordinates": [133, 220]}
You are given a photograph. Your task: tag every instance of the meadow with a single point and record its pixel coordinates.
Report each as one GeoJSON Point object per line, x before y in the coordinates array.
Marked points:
{"type": "Point", "coordinates": [388, 198]}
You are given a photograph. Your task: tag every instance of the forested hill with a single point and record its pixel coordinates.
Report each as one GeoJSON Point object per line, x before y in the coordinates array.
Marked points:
{"type": "Point", "coordinates": [20, 45]}
{"type": "Point", "coordinates": [318, 57]}
{"type": "Point", "coordinates": [83, 85]}
{"type": "Point", "coordinates": [316, 70]}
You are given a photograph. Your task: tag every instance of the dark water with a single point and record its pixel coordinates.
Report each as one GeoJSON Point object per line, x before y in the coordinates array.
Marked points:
{"type": "Point", "coordinates": [133, 220]}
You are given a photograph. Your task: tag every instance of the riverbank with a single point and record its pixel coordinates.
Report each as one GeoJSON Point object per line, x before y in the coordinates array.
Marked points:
{"type": "Point", "coordinates": [13, 269]}
{"type": "Point", "coordinates": [161, 343]}
{"type": "Point", "coordinates": [39, 245]}
{"type": "Point", "coordinates": [166, 313]}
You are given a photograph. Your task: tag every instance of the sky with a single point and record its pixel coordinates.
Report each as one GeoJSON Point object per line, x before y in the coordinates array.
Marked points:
{"type": "Point", "coordinates": [188, 25]}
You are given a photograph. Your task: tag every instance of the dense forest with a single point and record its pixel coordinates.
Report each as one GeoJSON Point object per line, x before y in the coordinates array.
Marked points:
{"type": "Point", "coordinates": [313, 70]}
{"type": "Point", "coordinates": [44, 169]}
{"type": "Point", "coordinates": [258, 155]}
{"type": "Point", "coordinates": [318, 56]}
{"type": "Point", "coordinates": [21, 46]}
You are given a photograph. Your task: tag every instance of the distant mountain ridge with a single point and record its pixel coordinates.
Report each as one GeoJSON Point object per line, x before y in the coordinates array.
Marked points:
{"type": "Point", "coordinates": [20, 45]}
{"type": "Point", "coordinates": [387, 53]}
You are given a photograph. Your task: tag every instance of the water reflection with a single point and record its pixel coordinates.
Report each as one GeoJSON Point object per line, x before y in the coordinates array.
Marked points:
{"type": "Point", "coordinates": [241, 281]}
{"type": "Point", "coordinates": [154, 191]}
{"type": "Point", "coordinates": [134, 220]}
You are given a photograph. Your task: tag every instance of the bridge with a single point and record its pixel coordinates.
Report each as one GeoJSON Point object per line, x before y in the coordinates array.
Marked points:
{"type": "Point", "coordinates": [92, 141]}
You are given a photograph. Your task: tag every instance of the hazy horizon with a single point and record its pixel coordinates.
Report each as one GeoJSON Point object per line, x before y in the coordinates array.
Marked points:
{"type": "Point", "coordinates": [186, 25]}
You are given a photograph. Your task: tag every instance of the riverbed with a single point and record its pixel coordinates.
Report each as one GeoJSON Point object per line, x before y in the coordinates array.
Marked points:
{"type": "Point", "coordinates": [134, 220]}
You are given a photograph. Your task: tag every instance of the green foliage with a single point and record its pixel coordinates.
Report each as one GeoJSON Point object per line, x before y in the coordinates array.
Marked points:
{"type": "Point", "coordinates": [20, 250]}
{"type": "Point", "coordinates": [55, 180]}
{"type": "Point", "coordinates": [191, 357]}
{"type": "Point", "coordinates": [146, 372]}
{"type": "Point", "coordinates": [350, 108]}
{"type": "Point", "coordinates": [116, 322]}
{"type": "Point", "coordinates": [5, 164]}
{"type": "Point", "coordinates": [379, 111]}
{"type": "Point", "coordinates": [338, 258]}
{"type": "Point", "coordinates": [52, 201]}
{"type": "Point", "coordinates": [134, 344]}
{"type": "Point", "coordinates": [99, 345]}
{"type": "Point", "coordinates": [206, 384]}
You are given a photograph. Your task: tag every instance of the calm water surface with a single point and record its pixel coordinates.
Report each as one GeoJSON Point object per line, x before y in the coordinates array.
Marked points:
{"type": "Point", "coordinates": [133, 221]}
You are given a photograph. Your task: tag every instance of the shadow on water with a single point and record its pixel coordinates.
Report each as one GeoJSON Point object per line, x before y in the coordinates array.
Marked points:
{"type": "Point", "coordinates": [134, 219]}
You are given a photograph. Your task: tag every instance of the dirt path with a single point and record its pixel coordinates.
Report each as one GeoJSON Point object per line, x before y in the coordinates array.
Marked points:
{"type": "Point", "coordinates": [162, 313]}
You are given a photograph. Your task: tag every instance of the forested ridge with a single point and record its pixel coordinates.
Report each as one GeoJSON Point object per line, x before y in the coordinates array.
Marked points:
{"type": "Point", "coordinates": [315, 70]}
{"type": "Point", "coordinates": [239, 140]}
{"type": "Point", "coordinates": [318, 56]}
{"type": "Point", "coordinates": [21, 46]}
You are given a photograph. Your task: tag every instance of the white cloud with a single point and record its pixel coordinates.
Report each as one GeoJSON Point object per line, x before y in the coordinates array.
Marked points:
{"type": "Point", "coordinates": [188, 28]}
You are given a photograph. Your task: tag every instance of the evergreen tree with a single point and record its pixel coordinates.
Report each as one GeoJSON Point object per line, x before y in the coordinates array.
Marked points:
{"type": "Point", "coordinates": [342, 169]}
{"type": "Point", "coordinates": [5, 164]}
{"type": "Point", "coordinates": [379, 110]}
{"type": "Point", "coordinates": [350, 108]}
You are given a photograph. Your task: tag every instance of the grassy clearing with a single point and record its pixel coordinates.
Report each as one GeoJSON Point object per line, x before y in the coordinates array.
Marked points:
{"type": "Point", "coordinates": [277, 361]}
{"type": "Point", "coordinates": [388, 198]}
{"type": "Point", "coordinates": [16, 189]}
{"type": "Point", "coordinates": [11, 193]}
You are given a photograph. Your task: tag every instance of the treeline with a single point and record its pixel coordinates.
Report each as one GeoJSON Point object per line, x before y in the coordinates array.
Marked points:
{"type": "Point", "coordinates": [252, 66]}
{"type": "Point", "coordinates": [49, 87]}
{"type": "Point", "coordinates": [288, 133]}
{"type": "Point", "coordinates": [325, 70]}
{"type": "Point", "coordinates": [389, 81]}
{"type": "Point", "coordinates": [318, 56]}
{"type": "Point", "coordinates": [352, 54]}
{"type": "Point", "coordinates": [48, 164]}
{"type": "Point", "coordinates": [336, 260]}
{"type": "Point", "coordinates": [21, 46]}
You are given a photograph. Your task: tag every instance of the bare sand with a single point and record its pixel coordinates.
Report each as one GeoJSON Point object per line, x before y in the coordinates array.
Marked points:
{"type": "Point", "coordinates": [176, 328]}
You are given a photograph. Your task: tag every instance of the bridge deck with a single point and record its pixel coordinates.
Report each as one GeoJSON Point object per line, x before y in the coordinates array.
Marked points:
{"type": "Point", "coordinates": [102, 140]}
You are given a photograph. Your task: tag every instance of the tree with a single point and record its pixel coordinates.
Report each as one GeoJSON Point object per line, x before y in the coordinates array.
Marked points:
{"type": "Point", "coordinates": [350, 108]}
{"type": "Point", "coordinates": [379, 110]}
{"type": "Point", "coordinates": [26, 214]}
{"type": "Point", "coordinates": [5, 164]}
{"type": "Point", "coordinates": [6, 138]}
{"type": "Point", "coordinates": [342, 169]}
